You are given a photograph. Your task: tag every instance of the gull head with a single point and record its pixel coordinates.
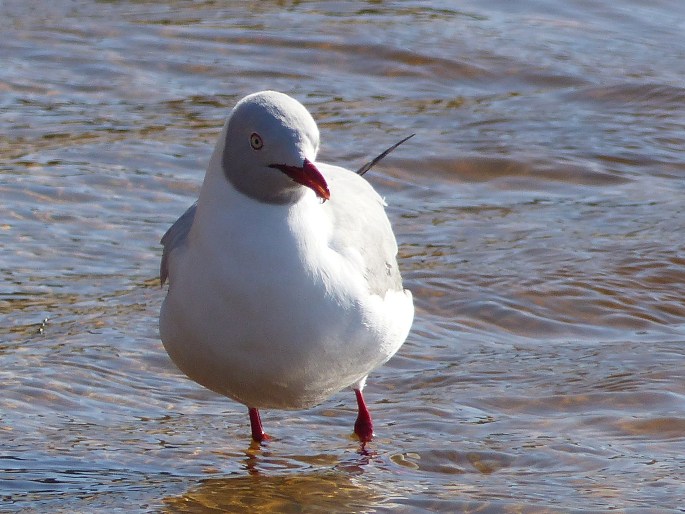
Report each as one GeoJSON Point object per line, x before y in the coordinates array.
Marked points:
{"type": "Point", "coordinates": [270, 148]}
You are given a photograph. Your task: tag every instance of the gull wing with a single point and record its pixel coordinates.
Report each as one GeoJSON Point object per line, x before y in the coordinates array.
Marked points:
{"type": "Point", "coordinates": [175, 237]}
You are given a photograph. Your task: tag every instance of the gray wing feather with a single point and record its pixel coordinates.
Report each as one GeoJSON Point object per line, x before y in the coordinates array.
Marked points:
{"type": "Point", "coordinates": [368, 231]}
{"type": "Point", "coordinates": [175, 237]}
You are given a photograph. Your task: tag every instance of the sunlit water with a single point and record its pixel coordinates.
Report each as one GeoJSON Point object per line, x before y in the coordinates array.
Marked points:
{"type": "Point", "coordinates": [540, 211]}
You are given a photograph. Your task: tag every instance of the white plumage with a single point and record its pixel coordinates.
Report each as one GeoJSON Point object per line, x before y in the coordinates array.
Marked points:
{"type": "Point", "coordinates": [279, 298]}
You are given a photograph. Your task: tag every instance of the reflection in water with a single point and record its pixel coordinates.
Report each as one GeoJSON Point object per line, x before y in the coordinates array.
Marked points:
{"type": "Point", "coordinates": [336, 490]}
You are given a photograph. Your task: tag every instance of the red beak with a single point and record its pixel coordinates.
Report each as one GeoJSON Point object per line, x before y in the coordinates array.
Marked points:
{"type": "Point", "coordinates": [308, 176]}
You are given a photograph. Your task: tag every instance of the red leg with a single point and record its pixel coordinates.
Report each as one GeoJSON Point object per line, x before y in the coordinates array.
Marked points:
{"type": "Point", "coordinates": [363, 427]}
{"type": "Point", "coordinates": [256, 424]}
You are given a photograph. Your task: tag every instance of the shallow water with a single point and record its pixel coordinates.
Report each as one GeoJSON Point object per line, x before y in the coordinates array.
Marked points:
{"type": "Point", "coordinates": [540, 213]}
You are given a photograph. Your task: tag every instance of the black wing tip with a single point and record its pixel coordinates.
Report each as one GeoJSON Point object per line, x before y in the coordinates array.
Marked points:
{"type": "Point", "coordinates": [366, 167]}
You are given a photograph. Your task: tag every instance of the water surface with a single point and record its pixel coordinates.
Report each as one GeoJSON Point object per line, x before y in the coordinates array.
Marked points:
{"type": "Point", "coordinates": [540, 215]}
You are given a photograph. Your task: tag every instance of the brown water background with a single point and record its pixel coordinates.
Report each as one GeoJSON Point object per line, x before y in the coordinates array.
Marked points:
{"type": "Point", "coordinates": [540, 211]}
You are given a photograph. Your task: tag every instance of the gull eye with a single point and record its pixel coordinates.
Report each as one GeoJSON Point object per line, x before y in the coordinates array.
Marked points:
{"type": "Point", "coordinates": [256, 141]}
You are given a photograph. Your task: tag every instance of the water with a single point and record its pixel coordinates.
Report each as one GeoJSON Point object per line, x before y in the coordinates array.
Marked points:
{"type": "Point", "coordinates": [540, 214]}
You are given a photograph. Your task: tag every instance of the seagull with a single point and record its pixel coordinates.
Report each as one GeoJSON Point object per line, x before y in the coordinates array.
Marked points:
{"type": "Point", "coordinates": [283, 280]}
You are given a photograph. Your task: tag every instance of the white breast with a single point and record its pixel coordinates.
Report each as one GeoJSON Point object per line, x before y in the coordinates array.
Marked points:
{"type": "Point", "coordinates": [263, 310]}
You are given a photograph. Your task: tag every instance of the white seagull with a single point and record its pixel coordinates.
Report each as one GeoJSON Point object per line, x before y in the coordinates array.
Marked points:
{"type": "Point", "coordinates": [283, 278]}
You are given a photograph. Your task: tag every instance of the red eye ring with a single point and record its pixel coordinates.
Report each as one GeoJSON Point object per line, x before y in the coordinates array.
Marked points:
{"type": "Point", "coordinates": [256, 141]}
